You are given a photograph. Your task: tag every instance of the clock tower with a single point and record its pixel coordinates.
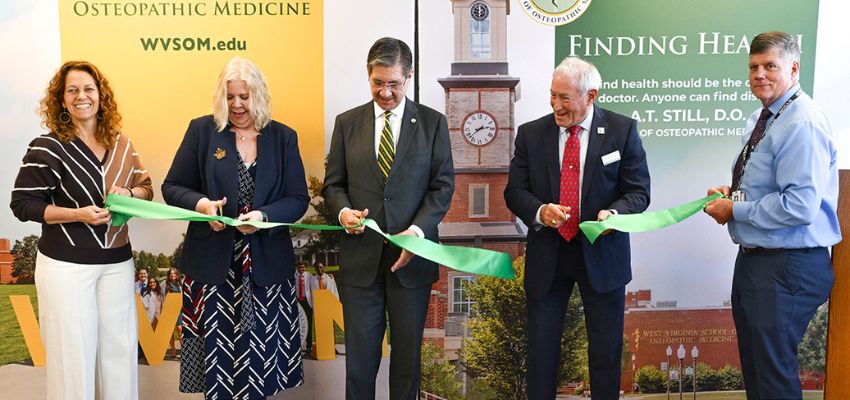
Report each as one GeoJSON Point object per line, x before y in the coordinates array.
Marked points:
{"type": "Point", "coordinates": [480, 97]}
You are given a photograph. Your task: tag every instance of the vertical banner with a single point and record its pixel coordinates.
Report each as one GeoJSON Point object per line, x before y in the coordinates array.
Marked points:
{"type": "Point", "coordinates": [680, 69]}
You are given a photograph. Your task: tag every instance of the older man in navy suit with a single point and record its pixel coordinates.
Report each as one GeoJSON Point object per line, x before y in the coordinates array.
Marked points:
{"type": "Point", "coordinates": [579, 163]}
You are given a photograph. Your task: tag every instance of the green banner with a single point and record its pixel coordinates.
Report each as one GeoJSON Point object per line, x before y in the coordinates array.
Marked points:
{"type": "Point", "coordinates": [466, 259]}
{"type": "Point", "coordinates": [645, 222]}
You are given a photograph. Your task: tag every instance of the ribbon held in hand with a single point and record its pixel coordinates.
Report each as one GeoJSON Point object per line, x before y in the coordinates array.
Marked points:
{"type": "Point", "coordinates": [465, 259]}
{"type": "Point", "coordinates": [647, 221]}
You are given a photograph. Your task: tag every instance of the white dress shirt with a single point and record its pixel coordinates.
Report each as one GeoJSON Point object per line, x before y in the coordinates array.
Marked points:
{"type": "Point", "coordinates": [583, 139]}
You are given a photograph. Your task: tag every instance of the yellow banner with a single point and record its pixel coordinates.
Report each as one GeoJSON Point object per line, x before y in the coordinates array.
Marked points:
{"type": "Point", "coordinates": [163, 60]}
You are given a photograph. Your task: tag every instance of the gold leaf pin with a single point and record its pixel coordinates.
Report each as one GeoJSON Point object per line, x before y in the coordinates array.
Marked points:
{"type": "Point", "coordinates": [219, 153]}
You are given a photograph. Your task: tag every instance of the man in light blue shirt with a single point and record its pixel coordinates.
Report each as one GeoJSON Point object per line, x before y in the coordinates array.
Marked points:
{"type": "Point", "coordinates": [782, 213]}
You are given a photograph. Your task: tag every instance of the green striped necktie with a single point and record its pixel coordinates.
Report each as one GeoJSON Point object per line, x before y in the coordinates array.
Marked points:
{"type": "Point", "coordinates": [386, 150]}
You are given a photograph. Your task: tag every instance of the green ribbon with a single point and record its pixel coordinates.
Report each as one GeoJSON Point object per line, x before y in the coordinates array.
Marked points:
{"type": "Point", "coordinates": [647, 221]}
{"type": "Point", "coordinates": [466, 259]}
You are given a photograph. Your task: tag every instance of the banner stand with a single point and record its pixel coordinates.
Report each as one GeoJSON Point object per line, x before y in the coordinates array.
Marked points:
{"type": "Point", "coordinates": [837, 383]}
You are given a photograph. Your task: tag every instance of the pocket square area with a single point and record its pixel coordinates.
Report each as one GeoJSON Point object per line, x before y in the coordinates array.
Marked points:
{"type": "Point", "coordinates": [611, 157]}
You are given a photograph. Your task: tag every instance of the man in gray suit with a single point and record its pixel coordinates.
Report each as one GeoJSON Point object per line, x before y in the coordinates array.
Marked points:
{"type": "Point", "coordinates": [390, 159]}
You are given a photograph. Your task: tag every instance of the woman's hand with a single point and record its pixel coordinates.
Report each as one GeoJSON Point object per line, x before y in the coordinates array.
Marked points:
{"type": "Point", "coordinates": [93, 215]}
{"type": "Point", "coordinates": [127, 192]}
{"type": "Point", "coordinates": [249, 216]}
{"type": "Point", "coordinates": [211, 207]}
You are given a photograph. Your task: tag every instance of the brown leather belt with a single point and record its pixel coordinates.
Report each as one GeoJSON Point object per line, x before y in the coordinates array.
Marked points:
{"type": "Point", "coordinates": [761, 250]}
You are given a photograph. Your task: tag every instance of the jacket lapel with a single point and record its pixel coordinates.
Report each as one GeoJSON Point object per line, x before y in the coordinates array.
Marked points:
{"type": "Point", "coordinates": [365, 137]}
{"type": "Point", "coordinates": [553, 166]}
{"type": "Point", "coordinates": [266, 177]}
{"type": "Point", "coordinates": [225, 171]}
{"type": "Point", "coordinates": [594, 144]}
{"type": "Point", "coordinates": [408, 130]}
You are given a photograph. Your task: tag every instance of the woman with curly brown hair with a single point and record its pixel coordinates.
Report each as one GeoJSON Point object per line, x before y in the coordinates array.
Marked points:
{"type": "Point", "coordinates": [84, 267]}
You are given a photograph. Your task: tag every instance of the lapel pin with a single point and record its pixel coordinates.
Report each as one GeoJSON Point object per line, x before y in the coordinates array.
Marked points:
{"type": "Point", "coordinates": [413, 120]}
{"type": "Point", "coordinates": [600, 130]}
{"type": "Point", "coordinates": [219, 153]}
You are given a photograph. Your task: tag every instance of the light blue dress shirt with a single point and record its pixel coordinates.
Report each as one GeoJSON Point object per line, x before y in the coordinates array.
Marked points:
{"type": "Point", "coordinates": [790, 182]}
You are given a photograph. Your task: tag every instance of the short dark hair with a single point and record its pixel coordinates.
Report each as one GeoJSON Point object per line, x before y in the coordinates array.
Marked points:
{"type": "Point", "coordinates": [389, 52]}
{"type": "Point", "coordinates": [786, 44]}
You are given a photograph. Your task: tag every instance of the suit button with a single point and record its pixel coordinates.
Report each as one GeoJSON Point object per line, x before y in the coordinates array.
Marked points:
{"type": "Point", "coordinates": [386, 199]}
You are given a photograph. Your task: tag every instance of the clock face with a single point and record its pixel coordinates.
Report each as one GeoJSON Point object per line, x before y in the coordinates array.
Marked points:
{"type": "Point", "coordinates": [479, 128]}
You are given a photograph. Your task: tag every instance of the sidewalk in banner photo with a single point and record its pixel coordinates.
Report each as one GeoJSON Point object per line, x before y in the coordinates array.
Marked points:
{"type": "Point", "coordinates": [323, 380]}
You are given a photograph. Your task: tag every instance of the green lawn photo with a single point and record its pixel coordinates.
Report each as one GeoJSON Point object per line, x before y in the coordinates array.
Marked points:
{"type": "Point", "coordinates": [12, 346]}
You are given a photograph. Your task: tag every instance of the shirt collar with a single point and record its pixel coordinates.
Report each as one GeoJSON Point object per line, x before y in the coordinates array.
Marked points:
{"type": "Point", "coordinates": [398, 110]}
{"type": "Point", "coordinates": [585, 123]}
{"type": "Point", "coordinates": [776, 105]}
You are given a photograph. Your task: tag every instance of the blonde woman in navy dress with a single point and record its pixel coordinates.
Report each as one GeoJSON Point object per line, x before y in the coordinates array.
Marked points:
{"type": "Point", "coordinates": [240, 330]}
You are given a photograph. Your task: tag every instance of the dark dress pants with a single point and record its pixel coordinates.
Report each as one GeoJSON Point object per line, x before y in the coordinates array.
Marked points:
{"type": "Point", "coordinates": [774, 296]}
{"type": "Point", "coordinates": [603, 315]}
{"type": "Point", "coordinates": [365, 310]}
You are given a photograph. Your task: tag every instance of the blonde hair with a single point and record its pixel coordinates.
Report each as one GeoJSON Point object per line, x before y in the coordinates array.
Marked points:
{"type": "Point", "coordinates": [240, 69]}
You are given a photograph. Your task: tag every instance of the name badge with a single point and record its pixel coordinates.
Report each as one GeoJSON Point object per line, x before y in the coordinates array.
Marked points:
{"type": "Point", "coordinates": [739, 195]}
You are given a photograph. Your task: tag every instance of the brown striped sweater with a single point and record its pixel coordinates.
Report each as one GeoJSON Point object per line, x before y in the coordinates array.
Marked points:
{"type": "Point", "coordinates": [69, 175]}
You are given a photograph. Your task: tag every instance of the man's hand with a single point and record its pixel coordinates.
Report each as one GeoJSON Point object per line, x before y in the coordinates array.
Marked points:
{"type": "Point", "coordinates": [405, 256]}
{"type": "Point", "coordinates": [255, 215]}
{"type": "Point", "coordinates": [553, 215]}
{"type": "Point", "coordinates": [352, 221]}
{"type": "Point", "coordinates": [725, 190]}
{"type": "Point", "coordinates": [603, 214]}
{"type": "Point", "coordinates": [211, 207]}
{"type": "Point", "coordinates": [720, 210]}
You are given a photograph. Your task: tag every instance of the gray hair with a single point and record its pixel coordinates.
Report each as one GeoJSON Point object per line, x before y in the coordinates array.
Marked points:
{"type": "Point", "coordinates": [240, 69]}
{"type": "Point", "coordinates": [586, 73]}
{"type": "Point", "coordinates": [786, 44]}
{"type": "Point", "coordinates": [389, 52]}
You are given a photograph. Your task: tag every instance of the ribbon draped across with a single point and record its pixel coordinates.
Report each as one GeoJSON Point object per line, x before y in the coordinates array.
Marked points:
{"type": "Point", "coordinates": [647, 221]}
{"type": "Point", "coordinates": [466, 259]}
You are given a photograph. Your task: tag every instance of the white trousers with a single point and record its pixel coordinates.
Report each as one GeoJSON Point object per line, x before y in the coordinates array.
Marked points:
{"type": "Point", "coordinates": [87, 314]}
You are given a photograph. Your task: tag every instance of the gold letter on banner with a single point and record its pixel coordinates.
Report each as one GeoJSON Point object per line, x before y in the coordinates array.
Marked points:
{"type": "Point", "coordinates": [29, 328]}
{"type": "Point", "coordinates": [155, 342]}
{"type": "Point", "coordinates": [327, 310]}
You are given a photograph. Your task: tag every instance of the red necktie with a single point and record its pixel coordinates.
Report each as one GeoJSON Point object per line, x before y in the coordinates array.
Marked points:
{"type": "Point", "coordinates": [570, 170]}
{"type": "Point", "coordinates": [300, 287]}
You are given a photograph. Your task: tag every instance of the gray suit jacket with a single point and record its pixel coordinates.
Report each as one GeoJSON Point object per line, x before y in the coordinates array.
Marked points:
{"type": "Point", "coordinates": [418, 190]}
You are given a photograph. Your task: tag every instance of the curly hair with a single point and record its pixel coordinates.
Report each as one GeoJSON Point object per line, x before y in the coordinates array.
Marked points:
{"type": "Point", "coordinates": [50, 107]}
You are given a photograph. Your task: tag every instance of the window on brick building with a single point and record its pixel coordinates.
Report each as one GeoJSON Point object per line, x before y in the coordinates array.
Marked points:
{"type": "Point", "coordinates": [461, 303]}
{"type": "Point", "coordinates": [479, 200]}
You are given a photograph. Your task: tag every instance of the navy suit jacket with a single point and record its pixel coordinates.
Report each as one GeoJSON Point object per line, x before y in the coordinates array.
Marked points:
{"type": "Point", "coordinates": [534, 180]}
{"type": "Point", "coordinates": [205, 166]}
{"type": "Point", "coordinates": [418, 191]}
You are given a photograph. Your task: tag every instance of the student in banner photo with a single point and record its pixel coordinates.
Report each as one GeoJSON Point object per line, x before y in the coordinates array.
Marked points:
{"type": "Point", "coordinates": [580, 163]}
{"type": "Point", "coordinates": [781, 211]}
{"type": "Point", "coordinates": [390, 160]}
{"type": "Point", "coordinates": [305, 298]}
{"type": "Point", "coordinates": [240, 163]}
{"type": "Point", "coordinates": [84, 267]}
{"type": "Point", "coordinates": [152, 301]}
{"type": "Point", "coordinates": [172, 284]}
{"type": "Point", "coordinates": [141, 279]}
{"type": "Point", "coordinates": [323, 281]}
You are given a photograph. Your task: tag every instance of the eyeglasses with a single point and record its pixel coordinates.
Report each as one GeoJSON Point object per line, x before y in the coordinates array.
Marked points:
{"type": "Point", "coordinates": [392, 86]}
